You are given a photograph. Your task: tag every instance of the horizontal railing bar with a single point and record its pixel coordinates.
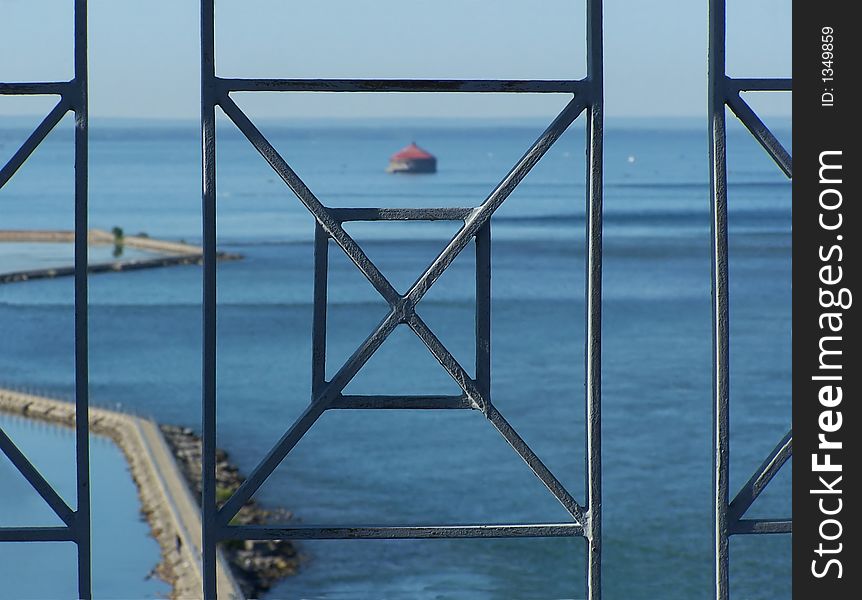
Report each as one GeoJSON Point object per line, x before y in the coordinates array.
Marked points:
{"type": "Point", "coordinates": [40, 88]}
{"type": "Point", "coordinates": [402, 85]}
{"type": "Point", "coordinates": [36, 534]}
{"type": "Point", "coordinates": [401, 402]}
{"type": "Point", "coordinates": [311, 532]}
{"type": "Point", "coordinates": [757, 526]}
{"type": "Point", "coordinates": [756, 84]}
{"type": "Point", "coordinates": [400, 214]}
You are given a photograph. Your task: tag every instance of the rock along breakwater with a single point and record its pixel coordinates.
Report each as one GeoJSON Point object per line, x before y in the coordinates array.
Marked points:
{"type": "Point", "coordinates": [256, 564]}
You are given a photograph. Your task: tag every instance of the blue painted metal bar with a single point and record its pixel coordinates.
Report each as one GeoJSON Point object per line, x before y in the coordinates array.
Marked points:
{"type": "Point", "coordinates": [536, 465]}
{"type": "Point", "coordinates": [312, 532]}
{"type": "Point", "coordinates": [483, 213]}
{"type": "Point", "coordinates": [483, 311]}
{"type": "Point", "coordinates": [73, 96]}
{"type": "Point", "coordinates": [354, 402]}
{"type": "Point", "coordinates": [37, 534]}
{"type": "Point", "coordinates": [402, 85]}
{"type": "Point", "coordinates": [318, 322]}
{"type": "Point", "coordinates": [761, 477]}
{"type": "Point", "coordinates": [593, 292]}
{"type": "Point", "coordinates": [38, 88]}
{"type": "Point", "coordinates": [449, 363]}
{"type": "Point", "coordinates": [34, 477]}
{"type": "Point", "coordinates": [344, 215]}
{"type": "Point", "coordinates": [725, 92]}
{"type": "Point", "coordinates": [209, 99]}
{"type": "Point", "coordinates": [330, 225]}
{"type": "Point", "coordinates": [82, 370]}
{"type": "Point", "coordinates": [720, 300]}
{"type": "Point", "coordinates": [761, 133]}
{"type": "Point", "coordinates": [274, 457]}
{"type": "Point", "coordinates": [753, 84]}
{"type": "Point", "coordinates": [761, 526]}
{"type": "Point", "coordinates": [33, 141]}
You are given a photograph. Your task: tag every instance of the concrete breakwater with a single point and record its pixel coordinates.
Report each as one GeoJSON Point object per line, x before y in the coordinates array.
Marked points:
{"type": "Point", "coordinates": [165, 252]}
{"type": "Point", "coordinates": [256, 564]}
{"type": "Point", "coordinates": [166, 500]}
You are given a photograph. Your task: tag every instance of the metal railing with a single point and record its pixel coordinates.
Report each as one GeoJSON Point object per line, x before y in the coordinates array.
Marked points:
{"type": "Point", "coordinates": [587, 96]}
{"type": "Point", "coordinates": [475, 391]}
{"type": "Point", "coordinates": [73, 97]}
{"type": "Point", "coordinates": [725, 91]}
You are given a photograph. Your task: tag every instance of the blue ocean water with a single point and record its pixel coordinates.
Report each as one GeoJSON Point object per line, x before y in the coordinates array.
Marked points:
{"type": "Point", "coordinates": [430, 467]}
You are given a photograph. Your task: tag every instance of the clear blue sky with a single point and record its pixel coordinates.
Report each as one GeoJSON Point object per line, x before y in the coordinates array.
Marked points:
{"type": "Point", "coordinates": [144, 53]}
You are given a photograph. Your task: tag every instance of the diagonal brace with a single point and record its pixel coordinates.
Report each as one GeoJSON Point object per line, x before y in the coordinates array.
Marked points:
{"type": "Point", "coordinates": [35, 478]}
{"type": "Point", "coordinates": [761, 133]}
{"type": "Point", "coordinates": [483, 212]}
{"type": "Point", "coordinates": [457, 372]}
{"type": "Point", "coordinates": [761, 478]}
{"type": "Point", "coordinates": [32, 142]}
{"type": "Point", "coordinates": [536, 465]}
{"type": "Point", "coordinates": [308, 417]}
{"type": "Point", "coordinates": [449, 363]}
{"type": "Point", "coordinates": [321, 213]}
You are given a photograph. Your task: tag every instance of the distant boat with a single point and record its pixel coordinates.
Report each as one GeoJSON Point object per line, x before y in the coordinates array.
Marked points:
{"type": "Point", "coordinates": [412, 159]}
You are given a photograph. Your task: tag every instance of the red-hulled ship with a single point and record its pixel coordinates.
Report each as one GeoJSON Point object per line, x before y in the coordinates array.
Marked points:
{"type": "Point", "coordinates": [412, 159]}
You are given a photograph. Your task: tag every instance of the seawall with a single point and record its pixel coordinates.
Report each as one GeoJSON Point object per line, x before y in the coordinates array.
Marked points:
{"type": "Point", "coordinates": [166, 501]}
{"type": "Point", "coordinates": [165, 253]}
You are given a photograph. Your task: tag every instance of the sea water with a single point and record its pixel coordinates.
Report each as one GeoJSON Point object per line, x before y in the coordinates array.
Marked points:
{"type": "Point", "coordinates": [437, 467]}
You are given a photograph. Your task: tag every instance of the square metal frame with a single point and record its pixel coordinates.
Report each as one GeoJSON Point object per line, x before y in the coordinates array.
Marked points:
{"type": "Point", "coordinates": [586, 96]}
{"type": "Point", "coordinates": [483, 311]}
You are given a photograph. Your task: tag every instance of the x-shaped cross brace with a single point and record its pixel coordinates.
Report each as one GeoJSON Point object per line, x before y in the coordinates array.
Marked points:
{"type": "Point", "coordinates": [402, 307]}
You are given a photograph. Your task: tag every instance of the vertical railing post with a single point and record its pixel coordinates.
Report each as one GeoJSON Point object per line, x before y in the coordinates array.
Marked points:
{"type": "Point", "coordinates": [318, 327]}
{"type": "Point", "coordinates": [77, 521]}
{"type": "Point", "coordinates": [483, 311]}
{"type": "Point", "coordinates": [82, 429]}
{"type": "Point", "coordinates": [208, 104]}
{"type": "Point", "coordinates": [720, 296]}
{"type": "Point", "coordinates": [593, 343]}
